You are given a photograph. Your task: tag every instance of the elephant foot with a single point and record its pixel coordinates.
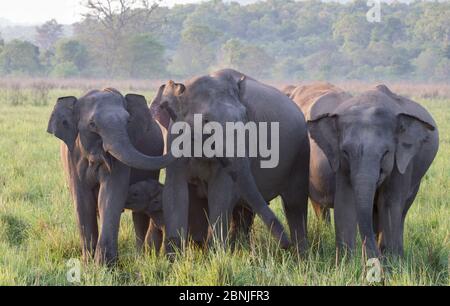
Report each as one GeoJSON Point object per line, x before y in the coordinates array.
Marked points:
{"type": "Point", "coordinates": [343, 253]}
{"type": "Point", "coordinates": [392, 252]}
{"type": "Point", "coordinates": [285, 243]}
{"type": "Point", "coordinates": [173, 247]}
{"type": "Point", "coordinates": [279, 233]}
{"type": "Point", "coordinates": [105, 256]}
{"type": "Point", "coordinates": [301, 248]}
{"type": "Point", "coordinates": [371, 252]}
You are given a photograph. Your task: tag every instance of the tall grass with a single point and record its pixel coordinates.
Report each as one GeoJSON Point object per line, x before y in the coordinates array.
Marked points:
{"type": "Point", "coordinates": [38, 235]}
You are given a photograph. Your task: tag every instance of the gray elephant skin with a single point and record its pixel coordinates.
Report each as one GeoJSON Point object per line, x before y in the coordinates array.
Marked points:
{"type": "Point", "coordinates": [321, 176]}
{"type": "Point", "coordinates": [235, 188]}
{"type": "Point", "coordinates": [379, 146]}
{"type": "Point", "coordinates": [106, 138]}
{"type": "Point", "coordinates": [145, 197]}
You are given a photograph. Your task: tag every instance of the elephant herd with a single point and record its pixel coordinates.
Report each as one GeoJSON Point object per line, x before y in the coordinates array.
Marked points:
{"type": "Point", "coordinates": [364, 156]}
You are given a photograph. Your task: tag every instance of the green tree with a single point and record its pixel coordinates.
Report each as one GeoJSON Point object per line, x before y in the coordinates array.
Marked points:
{"type": "Point", "coordinates": [196, 51]}
{"type": "Point", "coordinates": [433, 26]}
{"type": "Point", "coordinates": [20, 57]}
{"type": "Point", "coordinates": [426, 63]}
{"type": "Point", "coordinates": [113, 22]}
{"type": "Point", "coordinates": [353, 31]}
{"type": "Point", "coordinates": [72, 51]}
{"type": "Point", "coordinates": [48, 33]}
{"type": "Point", "coordinates": [65, 70]}
{"type": "Point", "coordinates": [248, 58]}
{"type": "Point", "coordinates": [144, 57]}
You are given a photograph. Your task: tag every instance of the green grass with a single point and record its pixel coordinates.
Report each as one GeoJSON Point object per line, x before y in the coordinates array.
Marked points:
{"type": "Point", "coordinates": [38, 235]}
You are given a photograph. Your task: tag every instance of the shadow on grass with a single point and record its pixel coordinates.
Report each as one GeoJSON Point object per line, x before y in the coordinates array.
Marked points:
{"type": "Point", "coordinates": [16, 229]}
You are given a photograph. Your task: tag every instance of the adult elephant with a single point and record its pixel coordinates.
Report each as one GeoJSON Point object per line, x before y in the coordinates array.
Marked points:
{"type": "Point", "coordinates": [321, 176]}
{"type": "Point", "coordinates": [105, 138]}
{"type": "Point", "coordinates": [379, 145]}
{"type": "Point", "coordinates": [222, 183]}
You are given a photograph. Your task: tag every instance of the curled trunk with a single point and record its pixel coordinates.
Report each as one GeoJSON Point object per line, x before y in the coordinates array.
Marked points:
{"type": "Point", "coordinates": [121, 148]}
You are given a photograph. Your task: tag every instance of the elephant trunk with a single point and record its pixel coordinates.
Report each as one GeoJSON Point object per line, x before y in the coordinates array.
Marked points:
{"type": "Point", "coordinates": [249, 192]}
{"type": "Point", "coordinates": [364, 189]}
{"type": "Point", "coordinates": [118, 144]}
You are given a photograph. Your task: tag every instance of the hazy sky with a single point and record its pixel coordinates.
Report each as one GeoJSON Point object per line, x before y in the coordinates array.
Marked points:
{"type": "Point", "coordinates": [38, 11]}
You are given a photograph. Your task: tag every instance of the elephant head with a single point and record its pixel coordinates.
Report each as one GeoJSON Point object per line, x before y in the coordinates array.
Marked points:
{"type": "Point", "coordinates": [218, 99]}
{"type": "Point", "coordinates": [145, 196]}
{"type": "Point", "coordinates": [102, 121]}
{"type": "Point", "coordinates": [366, 138]}
{"type": "Point", "coordinates": [215, 99]}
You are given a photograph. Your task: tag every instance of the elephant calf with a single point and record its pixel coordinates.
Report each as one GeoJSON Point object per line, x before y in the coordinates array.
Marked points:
{"type": "Point", "coordinates": [378, 146]}
{"type": "Point", "coordinates": [146, 198]}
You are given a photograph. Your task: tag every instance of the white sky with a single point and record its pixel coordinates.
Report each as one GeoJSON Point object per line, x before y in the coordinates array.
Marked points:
{"type": "Point", "coordinates": [39, 11]}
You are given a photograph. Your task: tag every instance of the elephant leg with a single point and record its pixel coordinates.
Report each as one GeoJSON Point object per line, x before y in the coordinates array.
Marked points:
{"type": "Point", "coordinates": [243, 218]}
{"type": "Point", "coordinates": [390, 223]}
{"type": "Point", "coordinates": [322, 213]}
{"type": "Point", "coordinates": [112, 197]}
{"type": "Point", "coordinates": [410, 200]}
{"type": "Point", "coordinates": [345, 217]}
{"type": "Point", "coordinates": [154, 238]}
{"type": "Point", "coordinates": [198, 218]}
{"type": "Point", "coordinates": [141, 227]}
{"type": "Point", "coordinates": [393, 209]}
{"type": "Point", "coordinates": [86, 212]}
{"type": "Point", "coordinates": [175, 208]}
{"type": "Point", "coordinates": [295, 203]}
{"type": "Point", "coordinates": [221, 201]}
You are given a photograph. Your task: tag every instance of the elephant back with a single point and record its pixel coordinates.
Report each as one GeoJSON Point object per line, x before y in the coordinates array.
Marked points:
{"type": "Point", "coordinates": [306, 97]}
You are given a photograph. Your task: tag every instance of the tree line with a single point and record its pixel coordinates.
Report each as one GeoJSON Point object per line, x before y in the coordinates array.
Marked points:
{"type": "Point", "coordinates": [282, 39]}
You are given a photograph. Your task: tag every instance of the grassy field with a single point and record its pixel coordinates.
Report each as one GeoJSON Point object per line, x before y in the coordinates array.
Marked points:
{"type": "Point", "coordinates": [38, 235]}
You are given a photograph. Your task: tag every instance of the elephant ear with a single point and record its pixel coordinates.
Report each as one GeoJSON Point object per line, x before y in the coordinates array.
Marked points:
{"type": "Point", "coordinates": [163, 107]}
{"type": "Point", "coordinates": [324, 132]}
{"type": "Point", "coordinates": [157, 111]}
{"type": "Point", "coordinates": [137, 107]}
{"type": "Point", "coordinates": [62, 123]}
{"type": "Point", "coordinates": [414, 126]}
{"type": "Point", "coordinates": [322, 124]}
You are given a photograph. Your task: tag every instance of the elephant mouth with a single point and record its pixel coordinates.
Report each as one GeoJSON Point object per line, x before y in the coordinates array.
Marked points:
{"type": "Point", "coordinates": [99, 159]}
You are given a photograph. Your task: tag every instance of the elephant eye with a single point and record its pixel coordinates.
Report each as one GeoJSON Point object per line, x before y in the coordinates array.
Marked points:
{"type": "Point", "coordinates": [65, 123]}
{"type": "Point", "coordinates": [92, 125]}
